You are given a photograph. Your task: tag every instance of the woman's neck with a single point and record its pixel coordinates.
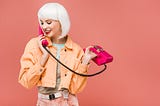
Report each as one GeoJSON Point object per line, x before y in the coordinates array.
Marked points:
{"type": "Point", "coordinates": [59, 41]}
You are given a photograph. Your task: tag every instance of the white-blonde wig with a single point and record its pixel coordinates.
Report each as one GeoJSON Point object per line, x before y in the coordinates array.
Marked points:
{"type": "Point", "coordinates": [55, 11]}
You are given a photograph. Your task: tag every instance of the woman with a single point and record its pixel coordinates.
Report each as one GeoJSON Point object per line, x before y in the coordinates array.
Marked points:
{"type": "Point", "coordinates": [56, 85]}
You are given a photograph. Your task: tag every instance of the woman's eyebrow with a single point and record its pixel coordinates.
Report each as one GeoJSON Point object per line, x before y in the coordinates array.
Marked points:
{"type": "Point", "coordinates": [41, 21]}
{"type": "Point", "coordinates": [48, 20]}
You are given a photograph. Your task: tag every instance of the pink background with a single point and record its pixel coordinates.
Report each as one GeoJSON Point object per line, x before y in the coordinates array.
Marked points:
{"type": "Point", "coordinates": [128, 29]}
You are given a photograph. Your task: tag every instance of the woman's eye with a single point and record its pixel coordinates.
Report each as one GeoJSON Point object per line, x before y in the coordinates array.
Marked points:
{"type": "Point", "coordinates": [49, 22]}
{"type": "Point", "coordinates": [42, 23]}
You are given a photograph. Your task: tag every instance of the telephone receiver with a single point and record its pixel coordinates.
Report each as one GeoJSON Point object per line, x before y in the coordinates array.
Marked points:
{"type": "Point", "coordinates": [101, 59]}
{"type": "Point", "coordinates": [40, 33]}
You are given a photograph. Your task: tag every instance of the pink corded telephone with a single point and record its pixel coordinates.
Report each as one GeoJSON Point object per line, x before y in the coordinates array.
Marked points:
{"type": "Point", "coordinates": [102, 57]}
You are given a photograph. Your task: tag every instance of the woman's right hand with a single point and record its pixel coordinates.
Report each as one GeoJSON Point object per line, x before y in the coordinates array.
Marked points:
{"type": "Point", "coordinates": [41, 38]}
{"type": "Point", "coordinates": [45, 54]}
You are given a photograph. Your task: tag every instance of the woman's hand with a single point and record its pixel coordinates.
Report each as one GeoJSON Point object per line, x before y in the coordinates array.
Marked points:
{"type": "Point", "coordinates": [88, 55]}
{"type": "Point", "coordinates": [45, 54]}
{"type": "Point", "coordinates": [41, 38]}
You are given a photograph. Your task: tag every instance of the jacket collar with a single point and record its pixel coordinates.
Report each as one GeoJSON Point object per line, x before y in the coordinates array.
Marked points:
{"type": "Point", "coordinates": [68, 44]}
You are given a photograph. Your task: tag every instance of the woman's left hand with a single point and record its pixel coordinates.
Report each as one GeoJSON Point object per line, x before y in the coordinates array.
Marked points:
{"type": "Point", "coordinates": [88, 55]}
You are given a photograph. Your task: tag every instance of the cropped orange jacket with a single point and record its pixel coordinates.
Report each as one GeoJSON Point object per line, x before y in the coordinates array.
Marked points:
{"type": "Point", "coordinates": [33, 74]}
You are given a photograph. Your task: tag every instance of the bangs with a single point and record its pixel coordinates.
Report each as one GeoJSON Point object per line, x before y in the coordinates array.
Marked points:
{"type": "Point", "coordinates": [48, 12]}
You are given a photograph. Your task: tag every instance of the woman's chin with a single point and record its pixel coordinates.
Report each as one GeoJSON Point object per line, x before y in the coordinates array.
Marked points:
{"type": "Point", "coordinates": [49, 35]}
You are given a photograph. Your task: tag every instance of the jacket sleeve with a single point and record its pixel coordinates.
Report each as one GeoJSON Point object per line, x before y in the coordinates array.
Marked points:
{"type": "Point", "coordinates": [31, 69]}
{"type": "Point", "coordinates": [78, 82]}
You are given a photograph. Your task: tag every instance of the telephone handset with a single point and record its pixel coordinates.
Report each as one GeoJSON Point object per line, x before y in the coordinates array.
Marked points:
{"type": "Point", "coordinates": [40, 32]}
{"type": "Point", "coordinates": [101, 59]}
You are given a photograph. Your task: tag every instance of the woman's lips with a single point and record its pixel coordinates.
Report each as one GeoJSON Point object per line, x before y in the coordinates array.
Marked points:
{"type": "Point", "coordinates": [47, 32]}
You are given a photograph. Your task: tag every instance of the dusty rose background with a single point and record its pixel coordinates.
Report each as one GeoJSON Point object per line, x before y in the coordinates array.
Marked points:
{"type": "Point", "coordinates": [128, 29]}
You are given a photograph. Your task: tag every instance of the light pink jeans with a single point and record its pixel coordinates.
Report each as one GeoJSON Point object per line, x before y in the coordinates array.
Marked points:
{"type": "Point", "coordinates": [71, 101]}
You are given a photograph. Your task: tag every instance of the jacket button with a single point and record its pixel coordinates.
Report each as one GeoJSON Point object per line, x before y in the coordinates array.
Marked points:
{"type": "Point", "coordinates": [40, 70]}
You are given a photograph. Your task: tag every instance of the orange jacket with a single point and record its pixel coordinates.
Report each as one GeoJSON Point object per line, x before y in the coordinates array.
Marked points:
{"type": "Point", "coordinates": [32, 73]}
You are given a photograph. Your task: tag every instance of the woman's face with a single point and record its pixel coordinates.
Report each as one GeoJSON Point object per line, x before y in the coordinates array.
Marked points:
{"type": "Point", "coordinates": [50, 27]}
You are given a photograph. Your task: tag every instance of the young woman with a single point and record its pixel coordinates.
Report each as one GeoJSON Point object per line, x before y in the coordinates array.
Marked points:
{"type": "Point", "coordinates": [56, 85]}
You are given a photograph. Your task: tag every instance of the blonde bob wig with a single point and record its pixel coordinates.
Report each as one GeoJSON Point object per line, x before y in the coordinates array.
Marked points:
{"type": "Point", "coordinates": [55, 11]}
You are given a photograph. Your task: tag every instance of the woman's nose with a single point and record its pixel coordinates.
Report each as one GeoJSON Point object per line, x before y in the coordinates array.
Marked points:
{"type": "Point", "coordinates": [44, 26]}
